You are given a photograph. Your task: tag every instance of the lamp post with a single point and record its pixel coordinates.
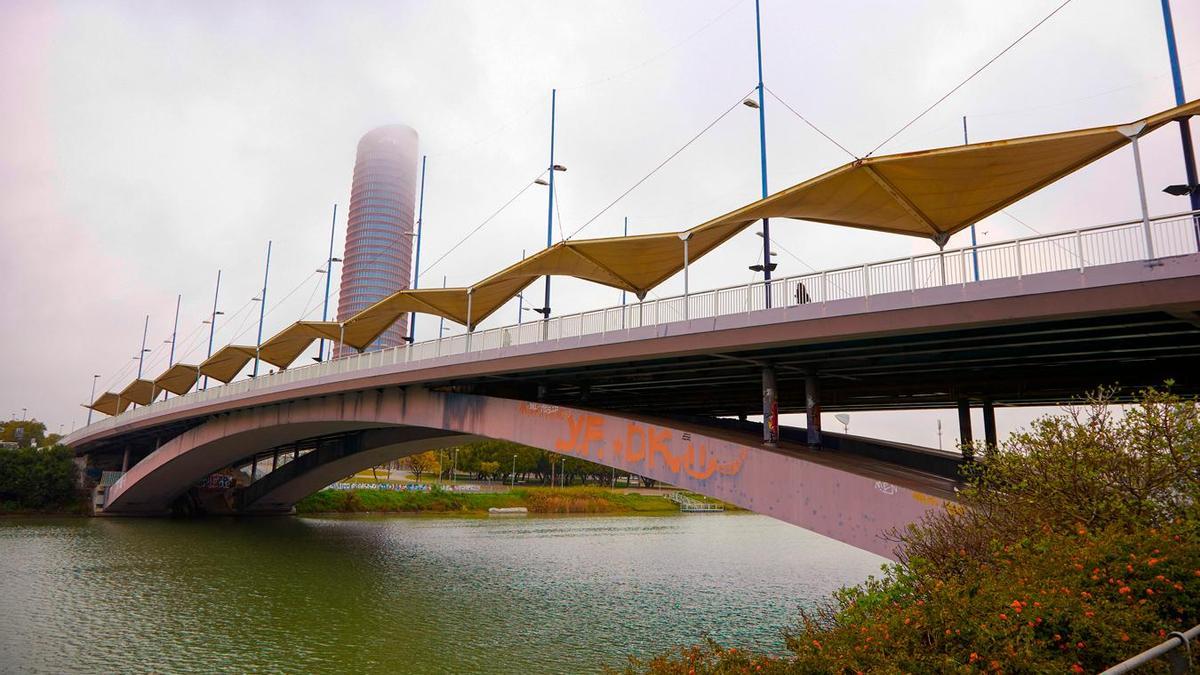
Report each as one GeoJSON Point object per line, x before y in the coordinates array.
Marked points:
{"type": "Point", "coordinates": [412, 326]}
{"type": "Point", "coordinates": [1185, 132]}
{"type": "Point", "coordinates": [762, 150]}
{"type": "Point", "coordinates": [328, 279]}
{"type": "Point", "coordinates": [262, 309]}
{"type": "Point", "coordinates": [212, 323]}
{"type": "Point", "coordinates": [545, 310]}
{"type": "Point", "coordinates": [974, 243]}
{"type": "Point", "coordinates": [174, 332]}
{"type": "Point", "coordinates": [514, 472]}
{"type": "Point", "coordinates": [142, 353]}
{"type": "Point", "coordinates": [92, 399]}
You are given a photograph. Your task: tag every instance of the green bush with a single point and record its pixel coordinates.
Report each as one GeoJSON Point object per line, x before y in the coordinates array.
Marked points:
{"type": "Point", "coordinates": [1073, 547]}
{"type": "Point", "coordinates": [37, 478]}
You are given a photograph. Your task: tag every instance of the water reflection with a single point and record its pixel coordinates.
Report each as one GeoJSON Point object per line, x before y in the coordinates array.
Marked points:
{"type": "Point", "coordinates": [387, 594]}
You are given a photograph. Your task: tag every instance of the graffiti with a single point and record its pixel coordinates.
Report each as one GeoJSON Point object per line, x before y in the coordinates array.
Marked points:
{"type": "Point", "coordinates": [539, 409]}
{"type": "Point", "coordinates": [885, 487]}
{"type": "Point", "coordinates": [642, 444]}
{"type": "Point", "coordinates": [217, 481]}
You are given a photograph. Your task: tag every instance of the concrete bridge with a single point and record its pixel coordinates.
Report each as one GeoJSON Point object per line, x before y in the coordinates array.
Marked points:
{"type": "Point", "coordinates": [645, 387]}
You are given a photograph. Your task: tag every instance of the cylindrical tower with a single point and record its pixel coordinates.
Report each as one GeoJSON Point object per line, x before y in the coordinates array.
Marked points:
{"type": "Point", "coordinates": [378, 256]}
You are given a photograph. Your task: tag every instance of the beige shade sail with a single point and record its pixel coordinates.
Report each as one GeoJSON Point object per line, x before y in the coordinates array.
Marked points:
{"type": "Point", "coordinates": [362, 328]}
{"type": "Point", "coordinates": [635, 264]}
{"type": "Point", "coordinates": [141, 392]}
{"type": "Point", "coordinates": [227, 362]}
{"type": "Point", "coordinates": [109, 403]}
{"type": "Point", "coordinates": [288, 344]}
{"type": "Point", "coordinates": [179, 378]}
{"type": "Point", "coordinates": [935, 193]}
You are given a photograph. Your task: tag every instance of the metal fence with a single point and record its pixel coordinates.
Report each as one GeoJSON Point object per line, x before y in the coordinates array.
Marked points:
{"type": "Point", "coordinates": [1080, 249]}
{"type": "Point", "coordinates": [1177, 650]}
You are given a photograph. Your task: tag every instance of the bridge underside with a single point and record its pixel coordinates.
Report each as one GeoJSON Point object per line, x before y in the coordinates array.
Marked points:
{"type": "Point", "coordinates": [847, 496]}
{"type": "Point", "coordinates": [1043, 363]}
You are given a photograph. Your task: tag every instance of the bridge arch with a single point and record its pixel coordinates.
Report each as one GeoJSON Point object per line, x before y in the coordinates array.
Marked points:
{"type": "Point", "coordinates": [849, 499]}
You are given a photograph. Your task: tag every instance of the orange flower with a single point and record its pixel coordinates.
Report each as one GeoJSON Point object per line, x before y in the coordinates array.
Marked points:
{"type": "Point", "coordinates": [1076, 668]}
{"type": "Point", "coordinates": [1123, 590]}
{"type": "Point", "coordinates": [1016, 605]}
{"type": "Point", "coordinates": [1004, 616]}
{"type": "Point", "coordinates": [974, 657]}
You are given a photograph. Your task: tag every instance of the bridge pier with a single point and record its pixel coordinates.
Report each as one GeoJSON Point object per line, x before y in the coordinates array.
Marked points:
{"type": "Point", "coordinates": [965, 438]}
{"type": "Point", "coordinates": [770, 391]}
{"type": "Point", "coordinates": [812, 409]}
{"type": "Point", "coordinates": [125, 460]}
{"type": "Point", "coordinates": [989, 425]}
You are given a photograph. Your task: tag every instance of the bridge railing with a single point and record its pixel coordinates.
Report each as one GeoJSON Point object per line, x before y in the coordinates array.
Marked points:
{"type": "Point", "coordinates": [1079, 249]}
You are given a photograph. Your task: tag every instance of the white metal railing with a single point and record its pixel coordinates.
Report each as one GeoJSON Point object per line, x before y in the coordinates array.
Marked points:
{"type": "Point", "coordinates": [1080, 249]}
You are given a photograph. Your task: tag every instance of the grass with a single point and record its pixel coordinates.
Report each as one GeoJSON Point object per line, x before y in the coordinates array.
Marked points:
{"type": "Point", "coordinates": [536, 499]}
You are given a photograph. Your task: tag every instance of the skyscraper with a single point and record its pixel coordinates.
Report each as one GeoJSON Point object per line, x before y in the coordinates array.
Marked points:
{"type": "Point", "coordinates": [378, 256]}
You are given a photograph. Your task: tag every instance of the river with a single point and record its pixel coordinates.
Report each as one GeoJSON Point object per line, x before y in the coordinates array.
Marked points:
{"type": "Point", "coordinates": [400, 594]}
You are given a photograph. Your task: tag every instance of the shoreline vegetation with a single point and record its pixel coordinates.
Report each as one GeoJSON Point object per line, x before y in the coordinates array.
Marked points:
{"type": "Point", "coordinates": [538, 500]}
{"type": "Point", "coordinates": [1074, 546]}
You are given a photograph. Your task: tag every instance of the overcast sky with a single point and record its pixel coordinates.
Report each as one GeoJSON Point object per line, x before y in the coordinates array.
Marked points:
{"type": "Point", "coordinates": [144, 146]}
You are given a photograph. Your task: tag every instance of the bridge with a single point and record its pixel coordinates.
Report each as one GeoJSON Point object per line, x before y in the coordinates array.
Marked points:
{"type": "Point", "coordinates": [654, 386]}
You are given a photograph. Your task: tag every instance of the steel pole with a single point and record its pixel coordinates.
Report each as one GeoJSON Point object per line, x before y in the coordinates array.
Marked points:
{"type": "Point", "coordinates": [92, 398]}
{"type": "Point", "coordinates": [1185, 131]}
{"type": "Point", "coordinates": [412, 325]}
{"type": "Point", "coordinates": [762, 148]}
{"type": "Point", "coordinates": [174, 333]}
{"type": "Point", "coordinates": [328, 281]}
{"type": "Point", "coordinates": [550, 208]}
{"type": "Point", "coordinates": [262, 308]}
{"type": "Point", "coordinates": [442, 320]}
{"type": "Point", "coordinates": [1137, 161]}
{"type": "Point", "coordinates": [521, 298]}
{"type": "Point", "coordinates": [624, 233]}
{"type": "Point", "coordinates": [212, 323]}
{"type": "Point", "coordinates": [974, 243]}
{"type": "Point", "coordinates": [142, 353]}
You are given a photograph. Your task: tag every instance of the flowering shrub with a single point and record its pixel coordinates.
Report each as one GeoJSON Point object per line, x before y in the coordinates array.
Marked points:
{"type": "Point", "coordinates": [1074, 546]}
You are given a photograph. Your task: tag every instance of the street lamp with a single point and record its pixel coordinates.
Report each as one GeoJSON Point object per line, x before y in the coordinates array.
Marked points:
{"type": "Point", "coordinates": [93, 398]}
{"type": "Point", "coordinates": [1181, 190]}
{"type": "Point", "coordinates": [514, 472]}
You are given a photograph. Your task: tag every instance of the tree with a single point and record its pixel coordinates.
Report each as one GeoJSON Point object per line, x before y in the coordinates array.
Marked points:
{"type": "Point", "coordinates": [37, 478]}
{"type": "Point", "coordinates": [25, 433]}
{"type": "Point", "coordinates": [420, 464]}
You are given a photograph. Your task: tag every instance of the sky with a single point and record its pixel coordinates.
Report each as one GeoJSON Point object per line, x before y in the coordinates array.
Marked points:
{"type": "Point", "coordinates": [145, 146]}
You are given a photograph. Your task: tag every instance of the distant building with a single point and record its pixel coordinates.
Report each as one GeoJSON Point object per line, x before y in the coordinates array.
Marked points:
{"type": "Point", "coordinates": [378, 255]}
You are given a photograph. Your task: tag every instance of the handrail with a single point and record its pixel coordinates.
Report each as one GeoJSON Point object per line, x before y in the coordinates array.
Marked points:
{"type": "Point", "coordinates": [1180, 662]}
{"type": "Point", "coordinates": [1012, 258]}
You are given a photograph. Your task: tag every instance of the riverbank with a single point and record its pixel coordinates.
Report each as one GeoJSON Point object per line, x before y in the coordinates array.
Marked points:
{"type": "Point", "coordinates": [578, 500]}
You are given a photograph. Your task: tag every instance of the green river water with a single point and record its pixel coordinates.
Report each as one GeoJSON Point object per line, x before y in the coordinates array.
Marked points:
{"type": "Point", "coordinates": [400, 594]}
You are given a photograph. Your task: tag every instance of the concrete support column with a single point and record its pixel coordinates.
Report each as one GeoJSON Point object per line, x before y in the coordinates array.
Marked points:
{"type": "Point", "coordinates": [770, 412]}
{"type": "Point", "coordinates": [254, 468]}
{"type": "Point", "coordinates": [964, 427]}
{"type": "Point", "coordinates": [275, 461]}
{"type": "Point", "coordinates": [989, 425]}
{"type": "Point", "coordinates": [812, 409]}
{"type": "Point", "coordinates": [125, 460]}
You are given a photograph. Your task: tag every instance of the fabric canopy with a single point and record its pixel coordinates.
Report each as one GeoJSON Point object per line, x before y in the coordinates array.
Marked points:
{"type": "Point", "coordinates": [935, 193]}
{"type": "Point", "coordinates": [141, 392]}
{"type": "Point", "coordinates": [109, 403]}
{"type": "Point", "coordinates": [932, 193]}
{"type": "Point", "coordinates": [227, 362]}
{"type": "Point", "coordinates": [178, 379]}
{"type": "Point", "coordinates": [287, 345]}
